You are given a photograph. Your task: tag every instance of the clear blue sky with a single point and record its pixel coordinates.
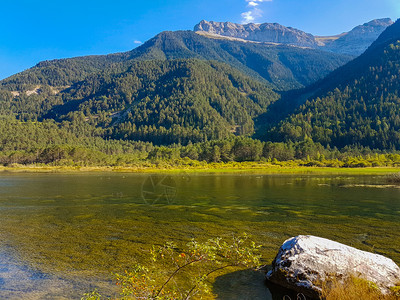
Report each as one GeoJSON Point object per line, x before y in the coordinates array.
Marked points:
{"type": "Point", "coordinates": [32, 31]}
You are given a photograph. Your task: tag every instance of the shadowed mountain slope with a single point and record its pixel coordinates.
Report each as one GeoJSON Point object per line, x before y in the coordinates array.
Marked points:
{"type": "Point", "coordinates": [358, 104]}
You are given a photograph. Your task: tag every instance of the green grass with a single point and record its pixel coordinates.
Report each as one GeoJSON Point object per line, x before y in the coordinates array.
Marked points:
{"type": "Point", "coordinates": [246, 167]}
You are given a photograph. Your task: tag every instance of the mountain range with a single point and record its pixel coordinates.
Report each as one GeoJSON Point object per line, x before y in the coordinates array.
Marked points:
{"type": "Point", "coordinates": [284, 67]}
{"type": "Point", "coordinates": [353, 43]}
{"type": "Point", "coordinates": [221, 80]}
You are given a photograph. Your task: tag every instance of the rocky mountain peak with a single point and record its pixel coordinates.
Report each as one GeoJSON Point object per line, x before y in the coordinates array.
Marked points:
{"type": "Point", "coordinates": [391, 33]}
{"type": "Point", "coordinates": [356, 41]}
{"type": "Point", "coordinates": [266, 32]}
{"type": "Point", "coordinates": [369, 30]}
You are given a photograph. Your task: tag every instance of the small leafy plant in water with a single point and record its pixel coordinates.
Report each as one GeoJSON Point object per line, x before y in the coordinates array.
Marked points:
{"type": "Point", "coordinates": [94, 295]}
{"type": "Point", "coordinates": [182, 273]}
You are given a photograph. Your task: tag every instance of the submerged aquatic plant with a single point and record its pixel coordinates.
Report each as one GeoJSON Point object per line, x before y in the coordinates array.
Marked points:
{"type": "Point", "coordinates": [94, 295]}
{"type": "Point", "coordinates": [177, 273]}
{"type": "Point", "coordinates": [393, 178]}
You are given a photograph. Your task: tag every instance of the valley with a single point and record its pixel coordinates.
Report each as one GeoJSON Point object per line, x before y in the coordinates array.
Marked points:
{"type": "Point", "coordinates": [176, 169]}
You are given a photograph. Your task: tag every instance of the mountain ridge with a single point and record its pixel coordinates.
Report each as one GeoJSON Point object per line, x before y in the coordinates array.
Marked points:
{"type": "Point", "coordinates": [353, 43]}
{"type": "Point", "coordinates": [284, 67]}
{"type": "Point", "coordinates": [356, 41]}
{"type": "Point", "coordinates": [266, 32]}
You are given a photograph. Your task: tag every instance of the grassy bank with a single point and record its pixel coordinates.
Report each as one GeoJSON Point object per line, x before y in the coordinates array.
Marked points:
{"type": "Point", "coordinates": [247, 167]}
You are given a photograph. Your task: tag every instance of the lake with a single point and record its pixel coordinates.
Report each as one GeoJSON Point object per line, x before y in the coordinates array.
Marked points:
{"type": "Point", "coordinates": [64, 234]}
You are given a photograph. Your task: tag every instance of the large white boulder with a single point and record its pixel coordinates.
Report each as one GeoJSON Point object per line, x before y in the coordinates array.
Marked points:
{"type": "Point", "coordinates": [303, 262]}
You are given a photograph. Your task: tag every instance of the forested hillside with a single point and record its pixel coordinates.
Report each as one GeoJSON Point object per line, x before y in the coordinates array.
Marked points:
{"type": "Point", "coordinates": [359, 104]}
{"type": "Point", "coordinates": [163, 102]}
{"type": "Point", "coordinates": [63, 72]}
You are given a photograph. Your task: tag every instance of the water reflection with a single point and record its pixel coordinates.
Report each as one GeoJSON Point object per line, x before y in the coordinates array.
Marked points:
{"type": "Point", "coordinates": [19, 281]}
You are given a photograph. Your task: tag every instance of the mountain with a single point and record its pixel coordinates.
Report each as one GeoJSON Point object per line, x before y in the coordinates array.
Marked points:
{"type": "Point", "coordinates": [266, 32]}
{"type": "Point", "coordinates": [163, 102]}
{"type": "Point", "coordinates": [178, 87]}
{"type": "Point", "coordinates": [358, 104]}
{"type": "Point", "coordinates": [358, 39]}
{"type": "Point", "coordinates": [351, 43]}
{"type": "Point", "coordinates": [285, 67]}
{"type": "Point", "coordinates": [189, 87]}
{"type": "Point", "coordinates": [59, 73]}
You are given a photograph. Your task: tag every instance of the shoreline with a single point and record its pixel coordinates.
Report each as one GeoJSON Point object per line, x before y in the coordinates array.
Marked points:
{"type": "Point", "coordinates": [254, 168]}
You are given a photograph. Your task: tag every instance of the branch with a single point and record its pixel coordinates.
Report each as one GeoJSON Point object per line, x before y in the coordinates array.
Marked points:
{"type": "Point", "coordinates": [209, 273]}
{"type": "Point", "coordinates": [173, 274]}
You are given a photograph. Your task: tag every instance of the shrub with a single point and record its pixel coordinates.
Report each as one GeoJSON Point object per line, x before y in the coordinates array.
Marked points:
{"type": "Point", "coordinates": [182, 273]}
{"type": "Point", "coordinates": [355, 288]}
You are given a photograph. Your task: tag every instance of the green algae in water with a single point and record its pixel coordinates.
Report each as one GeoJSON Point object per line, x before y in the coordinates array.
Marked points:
{"type": "Point", "coordinates": [86, 226]}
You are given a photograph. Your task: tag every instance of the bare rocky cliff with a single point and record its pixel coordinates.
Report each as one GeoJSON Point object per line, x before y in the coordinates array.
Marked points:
{"type": "Point", "coordinates": [266, 32]}
{"type": "Point", "coordinates": [353, 43]}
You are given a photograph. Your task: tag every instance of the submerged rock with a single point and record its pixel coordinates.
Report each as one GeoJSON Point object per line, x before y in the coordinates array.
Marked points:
{"type": "Point", "coordinates": [303, 262]}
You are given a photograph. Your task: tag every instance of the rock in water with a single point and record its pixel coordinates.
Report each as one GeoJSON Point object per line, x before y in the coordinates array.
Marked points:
{"type": "Point", "coordinates": [305, 261]}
